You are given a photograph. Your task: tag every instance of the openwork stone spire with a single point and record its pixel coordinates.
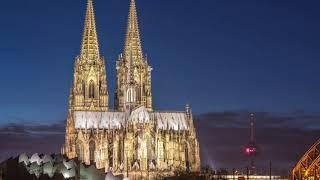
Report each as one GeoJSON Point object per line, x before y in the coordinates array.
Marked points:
{"type": "Point", "coordinates": [133, 48]}
{"type": "Point", "coordinates": [90, 45]}
{"type": "Point", "coordinates": [90, 89]}
{"type": "Point", "coordinates": [133, 70]}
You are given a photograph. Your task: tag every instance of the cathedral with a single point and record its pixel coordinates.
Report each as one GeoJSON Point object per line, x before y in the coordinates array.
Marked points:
{"type": "Point", "coordinates": [131, 139]}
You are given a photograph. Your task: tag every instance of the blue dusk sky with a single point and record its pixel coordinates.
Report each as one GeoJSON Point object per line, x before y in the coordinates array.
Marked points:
{"type": "Point", "coordinates": [220, 56]}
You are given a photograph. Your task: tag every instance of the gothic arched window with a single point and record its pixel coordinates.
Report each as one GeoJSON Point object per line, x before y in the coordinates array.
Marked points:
{"type": "Point", "coordinates": [91, 89]}
{"type": "Point", "coordinates": [110, 152]}
{"type": "Point", "coordinates": [139, 93]}
{"type": "Point", "coordinates": [84, 88]}
{"type": "Point", "coordinates": [79, 150]}
{"type": "Point", "coordinates": [187, 157]}
{"type": "Point", "coordinates": [92, 148]}
{"type": "Point", "coordinates": [131, 95]}
{"type": "Point", "coordinates": [150, 152]}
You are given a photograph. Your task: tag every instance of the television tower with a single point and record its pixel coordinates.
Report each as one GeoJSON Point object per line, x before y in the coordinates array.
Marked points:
{"type": "Point", "coordinates": [251, 149]}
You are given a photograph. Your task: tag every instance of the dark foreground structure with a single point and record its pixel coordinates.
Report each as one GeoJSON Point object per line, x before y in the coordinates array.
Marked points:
{"type": "Point", "coordinates": [13, 170]}
{"type": "Point", "coordinates": [59, 167]}
{"type": "Point", "coordinates": [50, 167]}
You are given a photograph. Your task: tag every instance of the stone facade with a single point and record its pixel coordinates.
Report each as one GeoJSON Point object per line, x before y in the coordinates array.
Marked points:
{"type": "Point", "coordinates": [138, 75]}
{"type": "Point", "coordinates": [134, 140]}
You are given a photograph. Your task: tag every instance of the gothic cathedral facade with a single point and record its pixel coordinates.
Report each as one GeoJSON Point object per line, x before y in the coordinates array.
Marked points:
{"type": "Point", "coordinates": [133, 139]}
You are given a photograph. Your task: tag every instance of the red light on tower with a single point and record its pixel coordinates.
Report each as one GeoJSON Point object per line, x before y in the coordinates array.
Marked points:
{"type": "Point", "coordinates": [247, 151]}
{"type": "Point", "coordinates": [251, 149]}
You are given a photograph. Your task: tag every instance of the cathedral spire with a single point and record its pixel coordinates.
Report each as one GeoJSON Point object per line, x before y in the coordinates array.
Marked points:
{"type": "Point", "coordinates": [133, 48]}
{"type": "Point", "coordinates": [90, 45]}
{"type": "Point", "coordinates": [90, 88]}
{"type": "Point", "coordinates": [133, 71]}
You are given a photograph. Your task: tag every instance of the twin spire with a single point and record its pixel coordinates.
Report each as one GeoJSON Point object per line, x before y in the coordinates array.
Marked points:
{"type": "Point", "coordinates": [90, 45]}
{"type": "Point", "coordinates": [131, 63]}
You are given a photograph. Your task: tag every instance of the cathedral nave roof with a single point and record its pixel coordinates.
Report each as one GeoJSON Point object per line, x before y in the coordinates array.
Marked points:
{"type": "Point", "coordinates": [115, 120]}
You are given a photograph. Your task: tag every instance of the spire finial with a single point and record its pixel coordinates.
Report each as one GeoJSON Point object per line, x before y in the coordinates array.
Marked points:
{"type": "Point", "coordinates": [90, 45]}
{"type": "Point", "coordinates": [133, 43]}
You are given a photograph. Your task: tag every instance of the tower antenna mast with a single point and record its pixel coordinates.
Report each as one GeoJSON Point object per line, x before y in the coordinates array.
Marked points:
{"type": "Point", "coordinates": [251, 149]}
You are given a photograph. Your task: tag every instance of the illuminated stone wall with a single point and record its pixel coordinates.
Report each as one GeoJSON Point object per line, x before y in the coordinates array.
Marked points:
{"type": "Point", "coordinates": [135, 146]}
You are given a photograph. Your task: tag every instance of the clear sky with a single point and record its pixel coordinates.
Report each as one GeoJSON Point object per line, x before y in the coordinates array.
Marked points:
{"type": "Point", "coordinates": [217, 55]}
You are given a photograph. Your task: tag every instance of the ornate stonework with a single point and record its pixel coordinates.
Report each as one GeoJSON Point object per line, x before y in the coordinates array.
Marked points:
{"type": "Point", "coordinates": [132, 67]}
{"type": "Point", "coordinates": [134, 140]}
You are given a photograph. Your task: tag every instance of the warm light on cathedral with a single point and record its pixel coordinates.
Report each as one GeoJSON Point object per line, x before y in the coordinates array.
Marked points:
{"type": "Point", "coordinates": [134, 139]}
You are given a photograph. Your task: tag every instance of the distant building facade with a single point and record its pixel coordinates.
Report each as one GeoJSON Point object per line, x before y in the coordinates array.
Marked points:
{"type": "Point", "coordinates": [134, 139]}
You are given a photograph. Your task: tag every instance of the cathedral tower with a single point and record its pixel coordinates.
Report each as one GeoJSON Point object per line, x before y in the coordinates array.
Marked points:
{"type": "Point", "coordinates": [133, 72]}
{"type": "Point", "coordinates": [89, 91]}
{"type": "Point", "coordinates": [90, 83]}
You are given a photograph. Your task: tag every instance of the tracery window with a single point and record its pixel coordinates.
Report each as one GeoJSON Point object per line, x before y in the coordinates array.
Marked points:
{"type": "Point", "coordinates": [110, 152]}
{"type": "Point", "coordinates": [91, 89]}
{"type": "Point", "coordinates": [187, 157]}
{"type": "Point", "coordinates": [131, 95]}
{"type": "Point", "coordinates": [84, 89]}
{"type": "Point", "coordinates": [92, 148]}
